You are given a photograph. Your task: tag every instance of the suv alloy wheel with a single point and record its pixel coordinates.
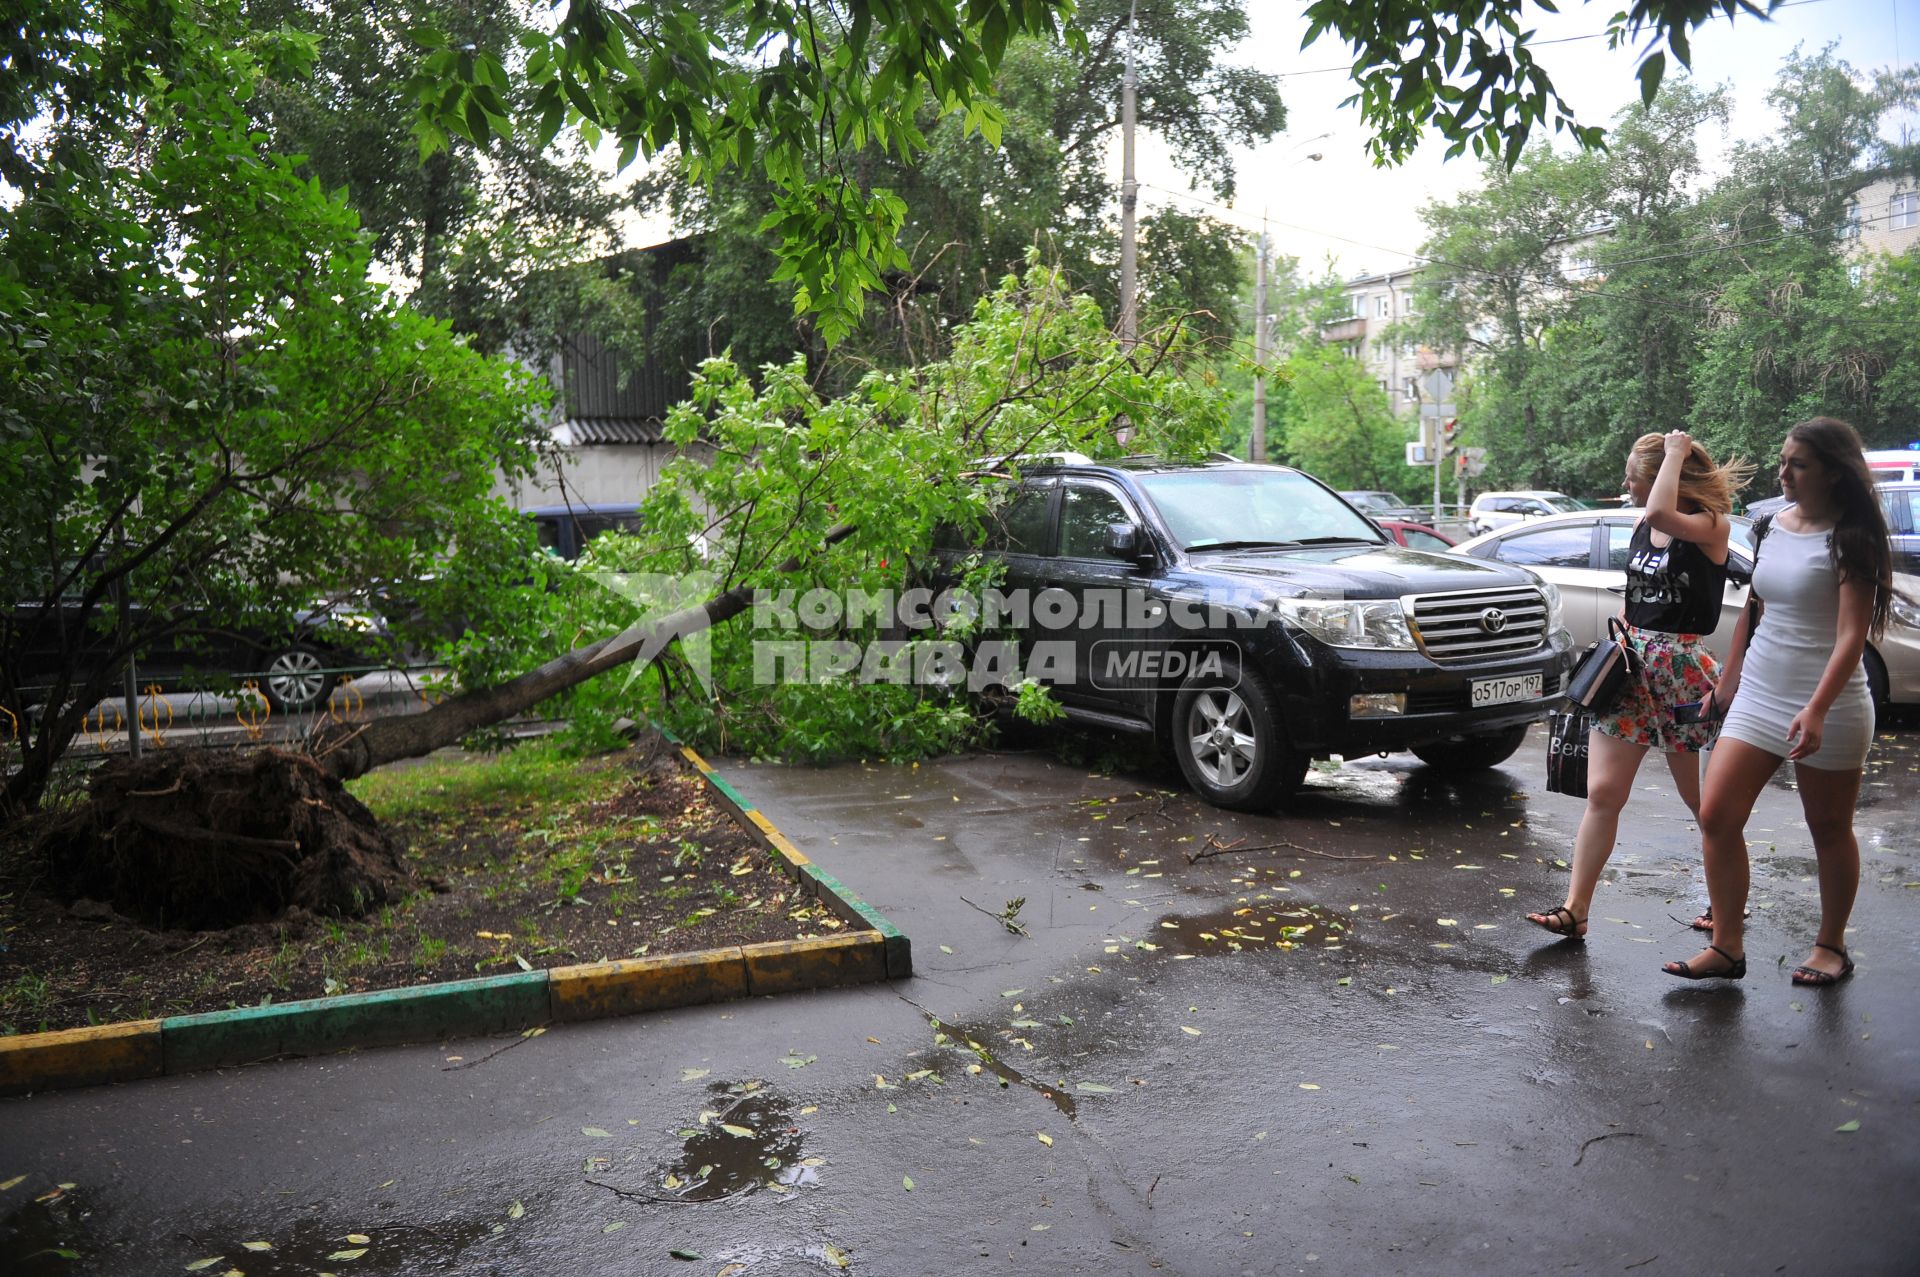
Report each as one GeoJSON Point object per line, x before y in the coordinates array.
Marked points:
{"type": "Point", "coordinates": [297, 679]}
{"type": "Point", "coordinates": [1227, 737]}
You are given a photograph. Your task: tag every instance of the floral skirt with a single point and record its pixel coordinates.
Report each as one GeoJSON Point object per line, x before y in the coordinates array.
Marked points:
{"type": "Point", "coordinates": [1675, 669]}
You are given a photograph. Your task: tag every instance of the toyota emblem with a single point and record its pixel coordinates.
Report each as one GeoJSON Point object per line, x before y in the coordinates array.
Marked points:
{"type": "Point", "coordinates": [1493, 620]}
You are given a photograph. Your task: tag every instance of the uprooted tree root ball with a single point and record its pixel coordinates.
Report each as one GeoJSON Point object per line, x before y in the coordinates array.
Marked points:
{"type": "Point", "coordinates": [183, 839]}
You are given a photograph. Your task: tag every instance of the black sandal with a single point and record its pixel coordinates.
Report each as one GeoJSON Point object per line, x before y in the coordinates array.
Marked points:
{"type": "Point", "coordinates": [1565, 929]}
{"type": "Point", "coordinates": [1705, 921]}
{"type": "Point", "coordinates": [1737, 971]}
{"type": "Point", "coordinates": [1815, 977]}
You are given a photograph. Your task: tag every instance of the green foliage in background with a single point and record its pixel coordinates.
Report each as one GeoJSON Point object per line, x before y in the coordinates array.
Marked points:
{"type": "Point", "coordinates": [1606, 296]}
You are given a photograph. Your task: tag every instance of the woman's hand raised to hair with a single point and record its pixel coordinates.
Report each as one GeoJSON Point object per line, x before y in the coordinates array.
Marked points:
{"type": "Point", "coordinates": [1678, 443]}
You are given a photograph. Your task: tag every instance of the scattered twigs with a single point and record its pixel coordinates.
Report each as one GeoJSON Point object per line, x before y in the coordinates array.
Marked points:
{"type": "Point", "coordinates": [632, 1195]}
{"type": "Point", "coordinates": [1214, 847]}
{"type": "Point", "coordinates": [467, 1064]}
{"type": "Point", "coordinates": [1160, 811]}
{"type": "Point", "coordinates": [1008, 917]}
{"type": "Point", "coordinates": [1610, 1135]}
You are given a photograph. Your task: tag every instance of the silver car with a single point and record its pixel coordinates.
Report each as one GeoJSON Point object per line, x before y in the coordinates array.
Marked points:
{"type": "Point", "coordinates": [1585, 555]}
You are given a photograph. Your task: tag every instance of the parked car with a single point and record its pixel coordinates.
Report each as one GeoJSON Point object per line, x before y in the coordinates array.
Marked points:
{"type": "Point", "coordinates": [1357, 646]}
{"type": "Point", "coordinates": [1894, 465]}
{"type": "Point", "coordinates": [1416, 536]}
{"type": "Point", "coordinates": [1585, 555]}
{"type": "Point", "coordinates": [1492, 510]}
{"type": "Point", "coordinates": [1382, 505]}
{"type": "Point", "coordinates": [296, 665]}
{"type": "Point", "coordinates": [564, 530]}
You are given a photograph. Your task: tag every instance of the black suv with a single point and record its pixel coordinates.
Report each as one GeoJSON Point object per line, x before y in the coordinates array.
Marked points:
{"type": "Point", "coordinates": [1250, 620]}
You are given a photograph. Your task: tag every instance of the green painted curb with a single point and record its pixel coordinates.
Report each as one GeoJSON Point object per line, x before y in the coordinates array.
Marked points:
{"type": "Point", "coordinates": [430, 1012]}
{"type": "Point", "coordinates": [460, 1008]}
{"type": "Point", "coordinates": [845, 905]}
{"type": "Point", "coordinates": [853, 909]}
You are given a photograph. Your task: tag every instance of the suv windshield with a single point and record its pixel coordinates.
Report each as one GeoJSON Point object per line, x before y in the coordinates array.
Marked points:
{"type": "Point", "coordinates": [1206, 509]}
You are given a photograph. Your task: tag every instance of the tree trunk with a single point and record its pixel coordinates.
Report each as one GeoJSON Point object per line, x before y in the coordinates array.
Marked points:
{"type": "Point", "coordinates": [347, 750]}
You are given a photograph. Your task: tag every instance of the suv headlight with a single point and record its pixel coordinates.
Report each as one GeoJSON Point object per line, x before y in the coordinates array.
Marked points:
{"type": "Point", "coordinates": [1556, 615]}
{"type": "Point", "coordinates": [1349, 622]}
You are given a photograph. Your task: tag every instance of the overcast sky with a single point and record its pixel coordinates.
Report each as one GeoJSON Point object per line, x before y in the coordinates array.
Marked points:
{"type": "Point", "coordinates": [1368, 218]}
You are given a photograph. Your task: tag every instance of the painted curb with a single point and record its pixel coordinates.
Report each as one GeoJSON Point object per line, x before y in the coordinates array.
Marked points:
{"type": "Point", "coordinates": [140, 1049]}
{"type": "Point", "coordinates": [831, 892]}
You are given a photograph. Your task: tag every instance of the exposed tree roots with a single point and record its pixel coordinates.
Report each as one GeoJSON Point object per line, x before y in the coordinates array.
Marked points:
{"type": "Point", "coordinates": [182, 838]}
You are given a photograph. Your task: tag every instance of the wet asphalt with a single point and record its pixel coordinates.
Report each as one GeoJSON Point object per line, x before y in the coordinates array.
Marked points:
{"type": "Point", "coordinates": [1319, 1042]}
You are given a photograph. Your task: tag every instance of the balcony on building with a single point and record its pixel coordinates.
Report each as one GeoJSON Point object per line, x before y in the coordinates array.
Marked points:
{"type": "Point", "coordinates": [1352, 328]}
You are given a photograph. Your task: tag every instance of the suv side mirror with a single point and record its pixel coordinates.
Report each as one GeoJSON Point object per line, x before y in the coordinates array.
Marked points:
{"type": "Point", "coordinates": [1123, 542]}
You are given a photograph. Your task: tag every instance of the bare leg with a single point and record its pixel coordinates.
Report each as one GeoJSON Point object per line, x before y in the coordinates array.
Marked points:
{"type": "Point", "coordinates": [1736, 773]}
{"type": "Point", "coordinates": [1612, 764]}
{"type": "Point", "coordinates": [1827, 798]}
{"type": "Point", "coordinates": [1685, 769]}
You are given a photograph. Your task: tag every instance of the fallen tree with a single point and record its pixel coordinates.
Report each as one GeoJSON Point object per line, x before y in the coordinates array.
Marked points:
{"type": "Point", "coordinates": [840, 494]}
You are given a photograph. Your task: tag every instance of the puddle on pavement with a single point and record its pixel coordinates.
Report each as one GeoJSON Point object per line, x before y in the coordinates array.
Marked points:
{"type": "Point", "coordinates": [1271, 924]}
{"type": "Point", "coordinates": [61, 1231]}
{"type": "Point", "coordinates": [744, 1139]}
{"type": "Point", "coordinates": [47, 1234]}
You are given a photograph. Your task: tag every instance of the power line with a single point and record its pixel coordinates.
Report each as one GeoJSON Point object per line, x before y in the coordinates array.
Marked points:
{"type": "Point", "coordinates": [1347, 69]}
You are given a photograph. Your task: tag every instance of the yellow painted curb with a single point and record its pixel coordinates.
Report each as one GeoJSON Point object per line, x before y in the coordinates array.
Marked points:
{"type": "Point", "coordinates": [787, 966]}
{"type": "Point", "coordinates": [80, 1057]}
{"type": "Point", "coordinates": [596, 990]}
{"type": "Point", "coordinates": [777, 840]}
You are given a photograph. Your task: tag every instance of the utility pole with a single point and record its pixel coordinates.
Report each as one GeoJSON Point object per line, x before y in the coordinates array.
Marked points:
{"type": "Point", "coordinates": [1129, 195]}
{"type": "Point", "coordinates": [1258, 452]}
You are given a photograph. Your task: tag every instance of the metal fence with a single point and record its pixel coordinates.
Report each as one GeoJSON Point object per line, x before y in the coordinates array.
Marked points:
{"type": "Point", "coordinates": [235, 713]}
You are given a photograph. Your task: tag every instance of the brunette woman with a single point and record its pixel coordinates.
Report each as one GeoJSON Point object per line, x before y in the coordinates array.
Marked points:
{"type": "Point", "coordinates": [1676, 577]}
{"type": "Point", "coordinates": [1824, 578]}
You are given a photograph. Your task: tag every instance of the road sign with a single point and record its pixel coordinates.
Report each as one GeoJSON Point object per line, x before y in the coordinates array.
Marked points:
{"type": "Point", "coordinates": [1437, 386]}
{"type": "Point", "coordinates": [1420, 454]}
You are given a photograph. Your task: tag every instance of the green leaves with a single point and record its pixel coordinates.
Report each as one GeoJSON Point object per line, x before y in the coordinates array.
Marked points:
{"type": "Point", "coordinates": [1650, 72]}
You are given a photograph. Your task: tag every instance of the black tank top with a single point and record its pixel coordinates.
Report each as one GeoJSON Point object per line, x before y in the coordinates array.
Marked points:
{"type": "Point", "coordinates": [1674, 588]}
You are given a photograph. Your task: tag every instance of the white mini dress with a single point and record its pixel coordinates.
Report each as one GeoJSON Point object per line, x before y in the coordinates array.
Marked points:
{"type": "Point", "coordinates": [1796, 582]}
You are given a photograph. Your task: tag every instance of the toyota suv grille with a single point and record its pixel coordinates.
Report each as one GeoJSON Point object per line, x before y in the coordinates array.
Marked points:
{"type": "Point", "coordinates": [1479, 625]}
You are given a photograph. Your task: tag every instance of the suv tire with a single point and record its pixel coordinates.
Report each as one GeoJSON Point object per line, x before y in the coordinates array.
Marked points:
{"type": "Point", "coordinates": [1876, 681]}
{"type": "Point", "coordinates": [1473, 754]}
{"type": "Point", "coordinates": [1226, 736]}
{"type": "Point", "coordinates": [297, 679]}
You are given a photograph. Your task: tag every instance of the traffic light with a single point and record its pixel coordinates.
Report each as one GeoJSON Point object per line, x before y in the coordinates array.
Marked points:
{"type": "Point", "coordinates": [1449, 435]}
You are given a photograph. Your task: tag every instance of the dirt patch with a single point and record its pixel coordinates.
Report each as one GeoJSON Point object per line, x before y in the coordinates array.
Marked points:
{"type": "Point", "coordinates": [506, 863]}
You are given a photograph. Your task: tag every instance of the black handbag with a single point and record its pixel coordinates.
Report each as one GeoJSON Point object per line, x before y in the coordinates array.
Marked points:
{"type": "Point", "coordinates": [1567, 752]}
{"type": "Point", "coordinates": [1603, 670]}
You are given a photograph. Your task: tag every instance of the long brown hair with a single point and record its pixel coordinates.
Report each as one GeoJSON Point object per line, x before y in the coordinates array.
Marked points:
{"type": "Point", "coordinates": [1859, 548]}
{"type": "Point", "coordinates": [1707, 485]}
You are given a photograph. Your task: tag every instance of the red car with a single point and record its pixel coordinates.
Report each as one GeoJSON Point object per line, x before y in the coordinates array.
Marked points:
{"type": "Point", "coordinates": [1416, 536]}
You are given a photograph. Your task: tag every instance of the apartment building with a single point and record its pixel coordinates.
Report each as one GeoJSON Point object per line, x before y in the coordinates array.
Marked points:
{"type": "Point", "coordinates": [1376, 302]}
{"type": "Point", "coordinates": [1885, 218]}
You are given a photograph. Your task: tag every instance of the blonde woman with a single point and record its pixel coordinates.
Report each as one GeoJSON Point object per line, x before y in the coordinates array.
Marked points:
{"type": "Point", "coordinates": [1676, 576]}
{"type": "Point", "coordinates": [1824, 578]}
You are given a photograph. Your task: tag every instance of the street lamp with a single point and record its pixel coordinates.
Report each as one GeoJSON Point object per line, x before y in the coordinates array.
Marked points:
{"type": "Point", "coordinates": [1258, 450]}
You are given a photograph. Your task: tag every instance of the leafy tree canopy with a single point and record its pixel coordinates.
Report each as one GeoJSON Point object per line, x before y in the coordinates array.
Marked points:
{"type": "Point", "coordinates": [484, 238]}
{"type": "Point", "coordinates": [208, 411]}
{"type": "Point", "coordinates": [793, 87]}
{"type": "Point", "coordinates": [1609, 295]}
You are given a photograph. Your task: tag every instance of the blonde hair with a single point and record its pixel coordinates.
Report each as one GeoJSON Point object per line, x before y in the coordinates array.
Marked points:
{"type": "Point", "coordinates": [1703, 483]}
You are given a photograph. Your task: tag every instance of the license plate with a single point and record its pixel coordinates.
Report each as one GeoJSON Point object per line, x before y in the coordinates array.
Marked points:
{"type": "Point", "coordinates": [1500, 691]}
